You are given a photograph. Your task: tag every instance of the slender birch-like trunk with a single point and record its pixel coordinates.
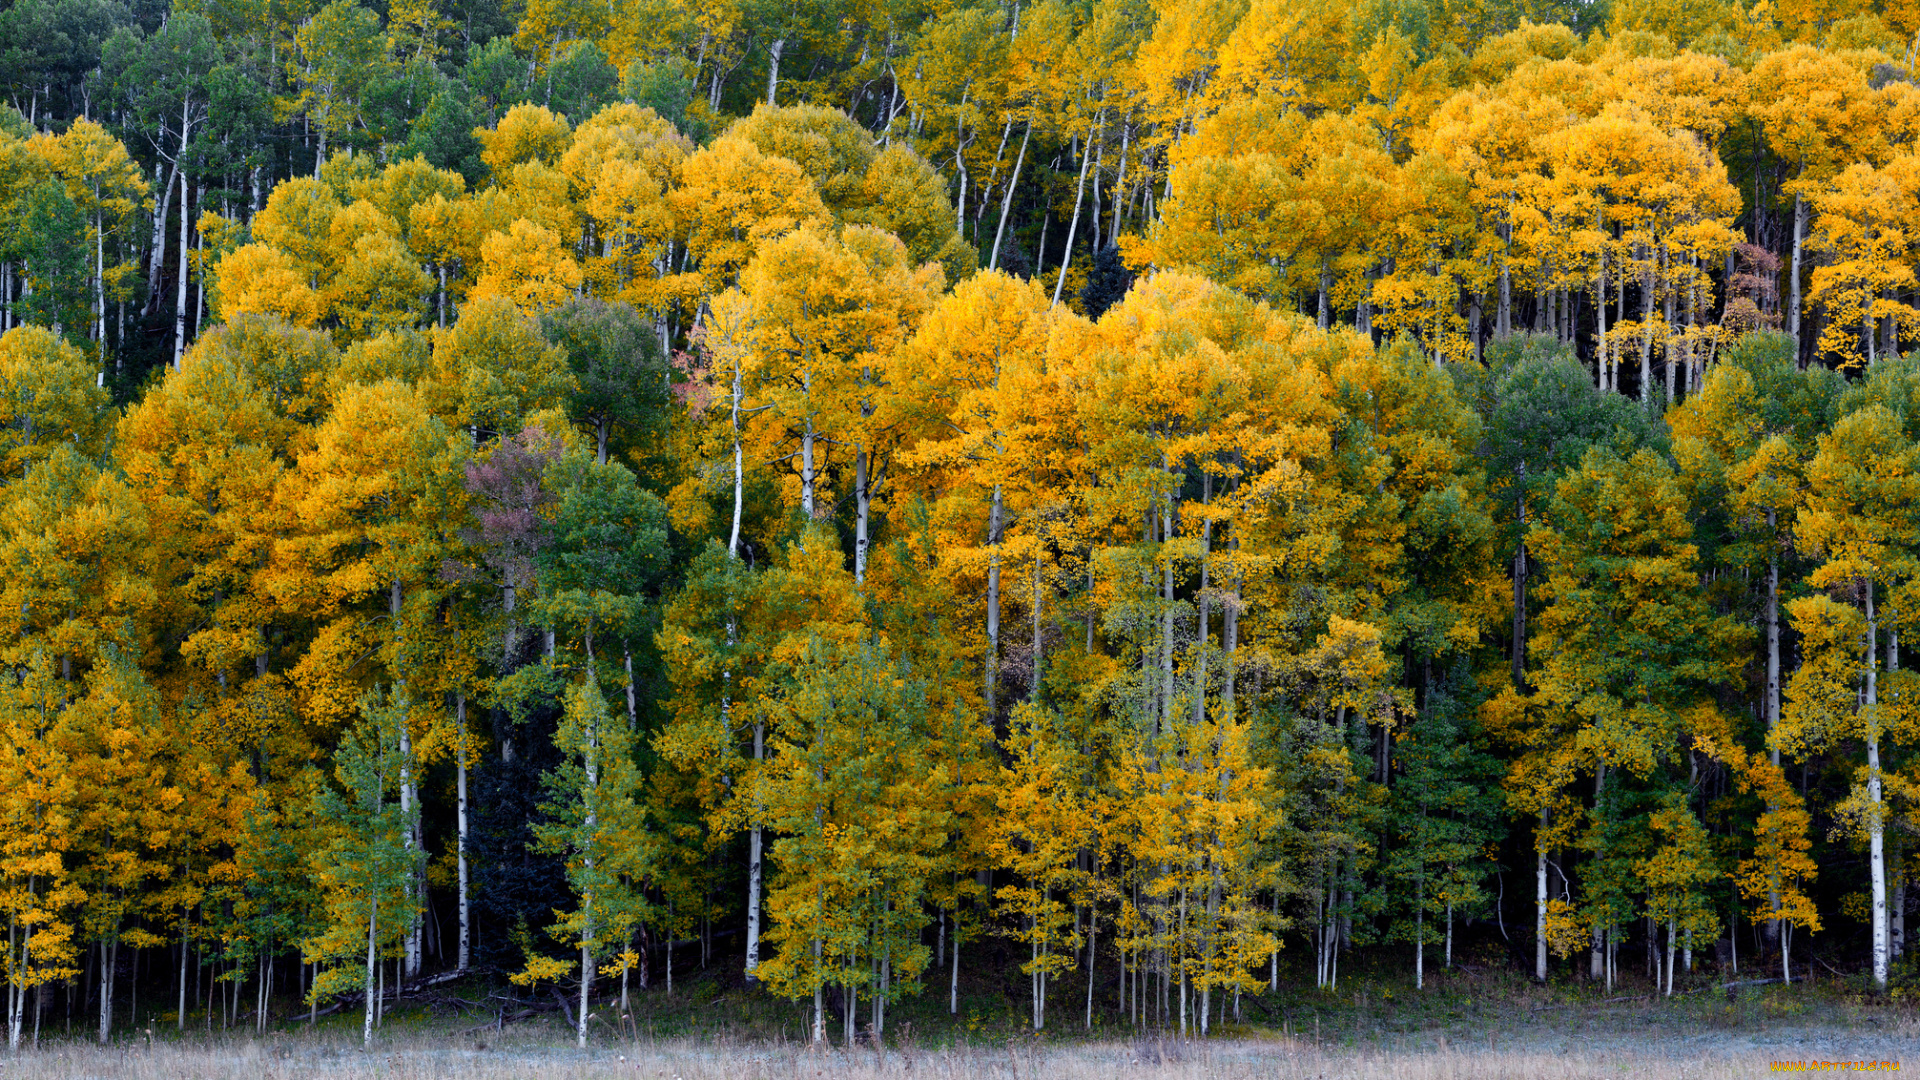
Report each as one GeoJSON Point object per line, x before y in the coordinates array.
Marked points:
{"type": "Point", "coordinates": [1793, 274]}
{"type": "Point", "coordinates": [1540, 908]}
{"type": "Point", "coordinates": [1006, 203]}
{"type": "Point", "coordinates": [773, 68]}
{"type": "Point", "coordinates": [373, 925]}
{"type": "Point", "coordinates": [1079, 195]}
{"type": "Point", "coordinates": [180, 284]}
{"type": "Point", "coordinates": [991, 675]}
{"type": "Point", "coordinates": [1876, 827]}
{"type": "Point", "coordinates": [460, 836]}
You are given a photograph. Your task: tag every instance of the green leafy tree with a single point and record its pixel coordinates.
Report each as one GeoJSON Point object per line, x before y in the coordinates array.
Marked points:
{"type": "Point", "coordinates": [367, 863]}
{"type": "Point", "coordinates": [1447, 814]}
{"type": "Point", "coordinates": [854, 800]}
{"type": "Point", "coordinates": [597, 823]}
{"type": "Point", "coordinates": [338, 53]}
{"type": "Point", "coordinates": [620, 375]}
{"type": "Point", "coordinates": [56, 263]}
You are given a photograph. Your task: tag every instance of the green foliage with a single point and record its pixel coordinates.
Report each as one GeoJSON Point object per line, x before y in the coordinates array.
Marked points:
{"type": "Point", "coordinates": [666, 87]}
{"type": "Point", "coordinates": [54, 256]}
{"type": "Point", "coordinates": [365, 864]}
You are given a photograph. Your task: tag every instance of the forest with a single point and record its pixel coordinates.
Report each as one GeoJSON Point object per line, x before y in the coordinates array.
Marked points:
{"type": "Point", "coordinates": [1136, 501]}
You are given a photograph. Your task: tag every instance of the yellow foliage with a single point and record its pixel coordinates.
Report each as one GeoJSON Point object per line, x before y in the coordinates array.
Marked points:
{"type": "Point", "coordinates": [526, 133]}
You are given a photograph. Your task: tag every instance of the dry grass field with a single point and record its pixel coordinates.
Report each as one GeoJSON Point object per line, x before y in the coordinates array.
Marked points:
{"type": "Point", "coordinates": [1225, 1060]}
{"type": "Point", "coordinates": [1474, 1023]}
{"type": "Point", "coordinates": [1638, 1041]}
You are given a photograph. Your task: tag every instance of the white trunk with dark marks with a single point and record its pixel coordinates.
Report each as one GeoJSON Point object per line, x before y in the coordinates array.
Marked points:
{"type": "Point", "coordinates": [773, 69]}
{"type": "Point", "coordinates": [180, 287]}
{"type": "Point", "coordinates": [1876, 826]}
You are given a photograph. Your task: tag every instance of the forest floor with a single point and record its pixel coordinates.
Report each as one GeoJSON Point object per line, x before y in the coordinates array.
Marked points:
{"type": "Point", "coordinates": [1473, 1023]}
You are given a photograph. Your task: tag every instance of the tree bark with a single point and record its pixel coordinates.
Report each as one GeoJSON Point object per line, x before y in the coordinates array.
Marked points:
{"type": "Point", "coordinates": [1006, 203]}
{"type": "Point", "coordinates": [109, 963]}
{"type": "Point", "coordinates": [460, 836]}
{"type": "Point", "coordinates": [100, 275]}
{"type": "Point", "coordinates": [1772, 703]}
{"type": "Point", "coordinates": [773, 68]}
{"type": "Point", "coordinates": [755, 862]}
{"type": "Point", "coordinates": [1793, 275]}
{"type": "Point", "coordinates": [991, 673]}
{"type": "Point", "coordinates": [157, 249]}
{"type": "Point", "coordinates": [180, 287]}
{"type": "Point", "coordinates": [373, 923]}
{"type": "Point", "coordinates": [863, 508]}
{"type": "Point", "coordinates": [1876, 828]}
{"type": "Point", "coordinates": [1503, 318]}
{"type": "Point", "coordinates": [1079, 195]}
{"type": "Point", "coordinates": [1520, 583]}
{"type": "Point", "coordinates": [1646, 337]}
{"type": "Point", "coordinates": [1604, 370]}
{"type": "Point", "coordinates": [807, 438]}
{"type": "Point", "coordinates": [1203, 598]}
{"type": "Point", "coordinates": [1540, 905]}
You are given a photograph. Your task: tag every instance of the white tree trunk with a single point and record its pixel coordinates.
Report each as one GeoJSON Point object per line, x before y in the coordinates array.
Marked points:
{"type": "Point", "coordinates": [180, 286]}
{"type": "Point", "coordinates": [373, 924]}
{"type": "Point", "coordinates": [1006, 202]}
{"type": "Point", "coordinates": [460, 842]}
{"type": "Point", "coordinates": [1079, 194]}
{"type": "Point", "coordinates": [1540, 911]}
{"type": "Point", "coordinates": [1793, 275]}
{"type": "Point", "coordinates": [1773, 694]}
{"type": "Point", "coordinates": [100, 276]}
{"type": "Point", "coordinates": [863, 508]}
{"type": "Point", "coordinates": [109, 961]}
{"type": "Point", "coordinates": [807, 476]}
{"type": "Point", "coordinates": [157, 248]}
{"type": "Point", "coordinates": [992, 662]}
{"type": "Point", "coordinates": [1876, 828]}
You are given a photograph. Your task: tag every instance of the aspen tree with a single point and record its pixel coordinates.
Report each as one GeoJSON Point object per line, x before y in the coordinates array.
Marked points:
{"type": "Point", "coordinates": [367, 863]}
{"type": "Point", "coordinates": [115, 749]}
{"type": "Point", "coordinates": [1444, 815]}
{"type": "Point", "coordinates": [338, 52]}
{"type": "Point", "coordinates": [1813, 108]}
{"type": "Point", "coordinates": [1779, 868]}
{"type": "Point", "coordinates": [1627, 652]}
{"type": "Point", "coordinates": [1044, 820]}
{"type": "Point", "coordinates": [844, 789]}
{"type": "Point", "coordinates": [47, 396]}
{"type": "Point", "coordinates": [1862, 226]}
{"type": "Point", "coordinates": [827, 310]}
{"type": "Point", "coordinates": [601, 830]}
{"type": "Point", "coordinates": [35, 810]}
{"type": "Point", "coordinates": [733, 199]}
{"type": "Point", "coordinates": [107, 187]}
{"type": "Point", "coordinates": [1738, 433]}
{"type": "Point", "coordinates": [1859, 485]}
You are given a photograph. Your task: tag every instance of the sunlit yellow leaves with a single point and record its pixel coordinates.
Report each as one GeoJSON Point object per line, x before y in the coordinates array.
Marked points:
{"type": "Point", "coordinates": [492, 370]}
{"type": "Point", "coordinates": [735, 198]}
{"type": "Point", "coordinates": [298, 222]}
{"type": "Point", "coordinates": [525, 133]}
{"type": "Point", "coordinates": [381, 289]}
{"type": "Point", "coordinates": [527, 267]}
{"type": "Point", "coordinates": [1865, 221]}
{"type": "Point", "coordinates": [261, 280]}
{"type": "Point", "coordinates": [73, 551]}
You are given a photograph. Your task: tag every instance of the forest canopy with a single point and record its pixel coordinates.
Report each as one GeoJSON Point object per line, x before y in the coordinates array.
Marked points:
{"type": "Point", "coordinates": [1131, 494]}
